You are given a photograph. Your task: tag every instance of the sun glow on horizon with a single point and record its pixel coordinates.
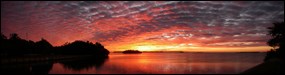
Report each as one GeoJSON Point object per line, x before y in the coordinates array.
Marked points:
{"type": "Point", "coordinates": [191, 48]}
{"type": "Point", "coordinates": [145, 48]}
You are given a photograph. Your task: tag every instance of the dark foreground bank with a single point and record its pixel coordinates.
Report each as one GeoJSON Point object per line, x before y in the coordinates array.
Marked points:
{"type": "Point", "coordinates": [270, 67]}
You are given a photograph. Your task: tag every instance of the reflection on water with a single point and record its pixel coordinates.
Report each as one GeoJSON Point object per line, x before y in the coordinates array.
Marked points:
{"type": "Point", "coordinates": [147, 63]}
{"type": "Point", "coordinates": [44, 67]}
{"type": "Point", "coordinates": [27, 68]}
{"type": "Point", "coordinates": [181, 63]}
{"type": "Point", "coordinates": [83, 63]}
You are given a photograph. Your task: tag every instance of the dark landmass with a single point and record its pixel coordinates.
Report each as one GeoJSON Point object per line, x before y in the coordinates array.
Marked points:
{"type": "Point", "coordinates": [131, 52]}
{"type": "Point", "coordinates": [274, 66]}
{"type": "Point", "coordinates": [18, 50]}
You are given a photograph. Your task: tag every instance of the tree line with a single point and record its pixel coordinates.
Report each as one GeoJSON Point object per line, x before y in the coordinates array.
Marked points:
{"type": "Point", "coordinates": [14, 45]}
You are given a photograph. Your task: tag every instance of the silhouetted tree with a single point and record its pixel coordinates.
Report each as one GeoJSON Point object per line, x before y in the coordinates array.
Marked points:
{"type": "Point", "coordinates": [14, 36]}
{"type": "Point", "coordinates": [16, 45]}
{"type": "Point", "coordinates": [44, 46]}
{"type": "Point", "coordinates": [3, 43]}
{"type": "Point", "coordinates": [277, 32]}
{"type": "Point", "coordinates": [81, 47]}
{"type": "Point", "coordinates": [43, 43]}
{"type": "Point", "coordinates": [3, 37]}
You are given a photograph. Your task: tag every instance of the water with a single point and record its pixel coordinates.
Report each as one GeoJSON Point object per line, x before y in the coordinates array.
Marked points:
{"type": "Point", "coordinates": [145, 63]}
{"type": "Point", "coordinates": [163, 63]}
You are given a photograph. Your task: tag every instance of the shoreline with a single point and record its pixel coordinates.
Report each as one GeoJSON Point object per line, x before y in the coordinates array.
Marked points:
{"type": "Point", "coordinates": [272, 66]}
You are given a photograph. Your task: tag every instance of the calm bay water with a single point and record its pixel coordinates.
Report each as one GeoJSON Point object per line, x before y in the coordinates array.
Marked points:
{"type": "Point", "coordinates": [164, 63]}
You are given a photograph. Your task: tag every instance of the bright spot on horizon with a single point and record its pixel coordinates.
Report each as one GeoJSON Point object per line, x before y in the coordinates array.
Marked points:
{"type": "Point", "coordinates": [145, 48]}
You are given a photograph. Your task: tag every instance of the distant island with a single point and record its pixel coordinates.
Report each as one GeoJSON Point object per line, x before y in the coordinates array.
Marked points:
{"type": "Point", "coordinates": [131, 52]}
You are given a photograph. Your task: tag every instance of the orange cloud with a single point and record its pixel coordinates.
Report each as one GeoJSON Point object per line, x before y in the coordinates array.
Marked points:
{"type": "Point", "coordinates": [159, 41]}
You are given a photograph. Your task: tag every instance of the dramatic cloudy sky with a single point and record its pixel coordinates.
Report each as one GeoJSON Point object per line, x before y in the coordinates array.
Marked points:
{"type": "Point", "coordinates": [146, 25]}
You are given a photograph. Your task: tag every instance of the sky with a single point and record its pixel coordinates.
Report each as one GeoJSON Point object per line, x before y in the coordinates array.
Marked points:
{"type": "Point", "coordinates": [194, 26]}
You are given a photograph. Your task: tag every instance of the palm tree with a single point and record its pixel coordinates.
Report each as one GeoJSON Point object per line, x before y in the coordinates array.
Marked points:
{"type": "Point", "coordinates": [277, 41]}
